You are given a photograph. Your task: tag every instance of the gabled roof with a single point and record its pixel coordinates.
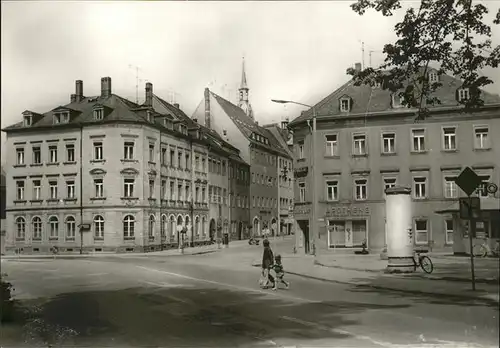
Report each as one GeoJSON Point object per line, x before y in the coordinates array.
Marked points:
{"type": "Point", "coordinates": [248, 126]}
{"type": "Point", "coordinates": [177, 113]}
{"type": "Point", "coordinates": [369, 100]}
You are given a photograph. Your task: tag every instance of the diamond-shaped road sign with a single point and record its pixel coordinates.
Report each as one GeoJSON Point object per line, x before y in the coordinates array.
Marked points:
{"type": "Point", "coordinates": [468, 181]}
{"type": "Point", "coordinates": [470, 207]}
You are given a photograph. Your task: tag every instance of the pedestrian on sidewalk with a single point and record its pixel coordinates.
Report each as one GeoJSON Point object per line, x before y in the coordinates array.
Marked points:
{"type": "Point", "coordinates": [267, 261]}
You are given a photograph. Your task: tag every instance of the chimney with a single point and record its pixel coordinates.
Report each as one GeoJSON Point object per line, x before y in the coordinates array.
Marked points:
{"type": "Point", "coordinates": [149, 94]}
{"type": "Point", "coordinates": [106, 87]}
{"type": "Point", "coordinates": [176, 105]}
{"type": "Point", "coordinates": [73, 98]}
{"type": "Point", "coordinates": [79, 90]}
{"type": "Point", "coordinates": [207, 108]}
{"type": "Point", "coordinates": [357, 66]}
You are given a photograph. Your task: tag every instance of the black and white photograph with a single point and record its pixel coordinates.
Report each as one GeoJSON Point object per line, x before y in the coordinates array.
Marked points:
{"type": "Point", "coordinates": [240, 174]}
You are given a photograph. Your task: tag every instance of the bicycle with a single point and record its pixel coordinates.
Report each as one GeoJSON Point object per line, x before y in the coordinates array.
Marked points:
{"type": "Point", "coordinates": [423, 261]}
{"type": "Point", "coordinates": [484, 249]}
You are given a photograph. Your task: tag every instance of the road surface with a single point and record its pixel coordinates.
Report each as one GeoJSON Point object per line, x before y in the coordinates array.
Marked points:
{"type": "Point", "coordinates": [213, 300]}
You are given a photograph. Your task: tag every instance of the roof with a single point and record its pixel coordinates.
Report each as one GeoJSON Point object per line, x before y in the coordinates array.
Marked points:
{"type": "Point", "coordinates": [176, 112]}
{"type": "Point", "coordinates": [368, 100]}
{"type": "Point", "coordinates": [248, 126]}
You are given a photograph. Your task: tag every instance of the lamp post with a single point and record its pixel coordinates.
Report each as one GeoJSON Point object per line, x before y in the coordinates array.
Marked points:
{"type": "Point", "coordinates": [314, 219]}
{"type": "Point", "coordinates": [282, 173]}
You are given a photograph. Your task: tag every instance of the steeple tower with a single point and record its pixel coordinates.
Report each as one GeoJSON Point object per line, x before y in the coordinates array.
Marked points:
{"type": "Point", "coordinates": [243, 102]}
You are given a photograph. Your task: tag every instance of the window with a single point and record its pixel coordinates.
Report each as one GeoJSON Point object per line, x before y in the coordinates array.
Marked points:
{"type": "Point", "coordinates": [331, 145]}
{"type": "Point", "coordinates": [70, 153]}
{"type": "Point", "coordinates": [188, 163]}
{"type": "Point", "coordinates": [172, 193]}
{"type": "Point", "coordinates": [20, 228]}
{"type": "Point", "coordinates": [179, 159]}
{"type": "Point", "coordinates": [98, 227]}
{"type": "Point", "coordinates": [163, 156]}
{"type": "Point", "coordinates": [418, 136]}
{"type": "Point", "coordinates": [128, 151]}
{"type": "Point", "coordinates": [203, 165]}
{"type": "Point", "coordinates": [54, 227]}
{"type": "Point", "coordinates": [481, 137]}
{"type": "Point", "coordinates": [197, 194]}
{"type": "Point", "coordinates": [151, 153]}
{"type": "Point", "coordinates": [20, 190]}
{"type": "Point", "coordinates": [98, 151]}
{"type": "Point", "coordinates": [53, 189]}
{"type": "Point", "coordinates": [433, 77]}
{"type": "Point", "coordinates": [19, 156]}
{"type": "Point", "coordinates": [28, 121]}
{"type": "Point", "coordinates": [151, 227]}
{"type": "Point", "coordinates": [419, 187]}
{"type": "Point", "coordinates": [37, 155]}
{"type": "Point", "coordinates": [163, 193]}
{"type": "Point", "coordinates": [179, 192]}
{"type": "Point", "coordinates": [449, 231]}
{"type": "Point", "coordinates": [463, 94]}
{"type": "Point", "coordinates": [37, 188]}
{"type": "Point", "coordinates": [345, 104]}
{"type": "Point", "coordinates": [128, 227]}
{"type": "Point", "coordinates": [301, 150]}
{"type": "Point", "coordinates": [389, 143]}
{"type": "Point", "coordinates": [332, 190]}
{"type": "Point", "coordinates": [98, 188]}
{"type": "Point", "coordinates": [359, 143]}
{"type": "Point", "coordinates": [128, 187]}
{"type": "Point", "coordinates": [187, 196]}
{"type": "Point", "coordinates": [302, 192]}
{"type": "Point", "coordinates": [98, 114]}
{"type": "Point", "coordinates": [151, 188]}
{"type": "Point", "coordinates": [203, 196]}
{"type": "Point", "coordinates": [70, 227]}
{"type": "Point", "coordinates": [361, 189]}
{"type": "Point", "coordinates": [52, 154]}
{"type": "Point", "coordinates": [449, 138]}
{"type": "Point", "coordinates": [388, 183]}
{"type": "Point", "coordinates": [421, 232]}
{"type": "Point", "coordinates": [37, 228]}
{"type": "Point", "coordinates": [172, 157]}
{"type": "Point", "coordinates": [70, 189]}
{"type": "Point", "coordinates": [197, 163]}
{"type": "Point", "coordinates": [163, 226]}
{"type": "Point", "coordinates": [450, 187]}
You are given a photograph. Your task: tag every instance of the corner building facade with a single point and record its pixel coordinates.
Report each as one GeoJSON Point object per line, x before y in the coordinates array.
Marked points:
{"type": "Point", "coordinates": [125, 170]}
{"type": "Point", "coordinates": [359, 154]}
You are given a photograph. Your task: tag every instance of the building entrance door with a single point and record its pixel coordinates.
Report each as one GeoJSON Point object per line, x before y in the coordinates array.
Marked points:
{"type": "Point", "coordinates": [304, 226]}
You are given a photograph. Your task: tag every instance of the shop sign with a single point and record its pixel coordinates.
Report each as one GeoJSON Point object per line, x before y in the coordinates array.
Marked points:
{"type": "Point", "coordinates": [302, 210]}
{"type": "Point", "coordinates": [348, 211]}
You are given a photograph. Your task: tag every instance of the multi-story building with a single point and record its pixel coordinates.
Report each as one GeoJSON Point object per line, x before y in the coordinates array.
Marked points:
{"type": "Point", "coordinates": [123, 174]}
{"type": "Point", "coordinates": [367, 142]}
{"type": "Point", "coordinates": [258, 147]}
{"type": "Point", "coordinates": [285, 169]}
{"type": "Point", "coordinates": [2, 211]}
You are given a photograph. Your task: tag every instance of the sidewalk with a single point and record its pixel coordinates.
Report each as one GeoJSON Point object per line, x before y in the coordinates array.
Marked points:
{"type": "Point", "coordinates": [368, 273]}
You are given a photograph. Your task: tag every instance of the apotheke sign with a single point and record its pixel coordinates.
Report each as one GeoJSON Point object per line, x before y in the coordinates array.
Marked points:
{"type": "Point", "coordinates": [348, 211]}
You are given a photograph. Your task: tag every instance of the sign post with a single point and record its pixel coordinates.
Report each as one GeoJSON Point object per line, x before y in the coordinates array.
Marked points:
{"type": "Point", "coordinates": [469, 181]}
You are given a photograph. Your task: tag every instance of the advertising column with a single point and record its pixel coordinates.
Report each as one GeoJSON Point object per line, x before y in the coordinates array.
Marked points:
{"type": "Point", "coordinates": [399, 230]}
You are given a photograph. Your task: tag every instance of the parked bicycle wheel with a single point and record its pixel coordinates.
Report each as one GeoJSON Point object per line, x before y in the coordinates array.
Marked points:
{"type": "Point", "coordinates": [426, 264]}
{"type": "Point", "coordinates": [479, 250]}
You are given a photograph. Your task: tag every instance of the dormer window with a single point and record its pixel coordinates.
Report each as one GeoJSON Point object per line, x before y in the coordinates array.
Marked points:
{"type": "Point", "coordinates": [62, 117]}
{"type": "Point", "coordinates": [463, 94]}
{"type": "Point", "coordinates": [98, 114]}
{"type": "Point", "coordinates": [345, 104]}
{"type": "Point", "coordinates": [28, 120]}
{"type": "Point", "coordinates": [433, 77]}
{"type": "Point", "coordinates": [397, 101]}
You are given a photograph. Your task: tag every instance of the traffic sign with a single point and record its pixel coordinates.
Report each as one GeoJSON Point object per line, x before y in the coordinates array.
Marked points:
{"type": "Point", "coordinates": [468, 181]}
{"type": "Point", "coordinates": [468, 206]}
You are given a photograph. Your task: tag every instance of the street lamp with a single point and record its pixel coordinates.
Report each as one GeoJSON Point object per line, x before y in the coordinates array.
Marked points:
{"type": "Point", "coordinates": [314, 220]}
{"type": "Point", "coordinates": [283, 173]}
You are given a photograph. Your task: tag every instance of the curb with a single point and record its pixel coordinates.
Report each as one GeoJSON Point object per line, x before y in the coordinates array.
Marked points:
{"type": "Point", "coordinates": [378, 287]}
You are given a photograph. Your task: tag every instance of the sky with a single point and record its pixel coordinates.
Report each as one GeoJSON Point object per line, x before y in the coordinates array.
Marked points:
{"type": "Point", "coordinates": [293, 50]}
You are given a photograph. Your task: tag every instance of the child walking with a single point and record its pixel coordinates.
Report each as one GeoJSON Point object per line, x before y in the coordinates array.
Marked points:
{"type": "Point", "coordinates": [280, 272]}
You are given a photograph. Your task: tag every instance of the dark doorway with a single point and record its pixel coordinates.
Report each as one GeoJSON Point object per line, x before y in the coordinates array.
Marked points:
{"type": "Point", "coordinates": [240, 230]}
{"type": "Point", "coordinates": [304, 226]}
{"type": "Point", "coordinates": [211, 230]}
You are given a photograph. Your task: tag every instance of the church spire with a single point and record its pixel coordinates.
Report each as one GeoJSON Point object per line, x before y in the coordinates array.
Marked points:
{"type": "Point", "coordinates": [243, 76]}
{"type": "Point", "coordinates": [243, 102]}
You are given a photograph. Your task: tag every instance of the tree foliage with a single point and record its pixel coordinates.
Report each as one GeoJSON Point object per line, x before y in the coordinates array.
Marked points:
{"type": "Point", "coordinates": [451, 34]}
